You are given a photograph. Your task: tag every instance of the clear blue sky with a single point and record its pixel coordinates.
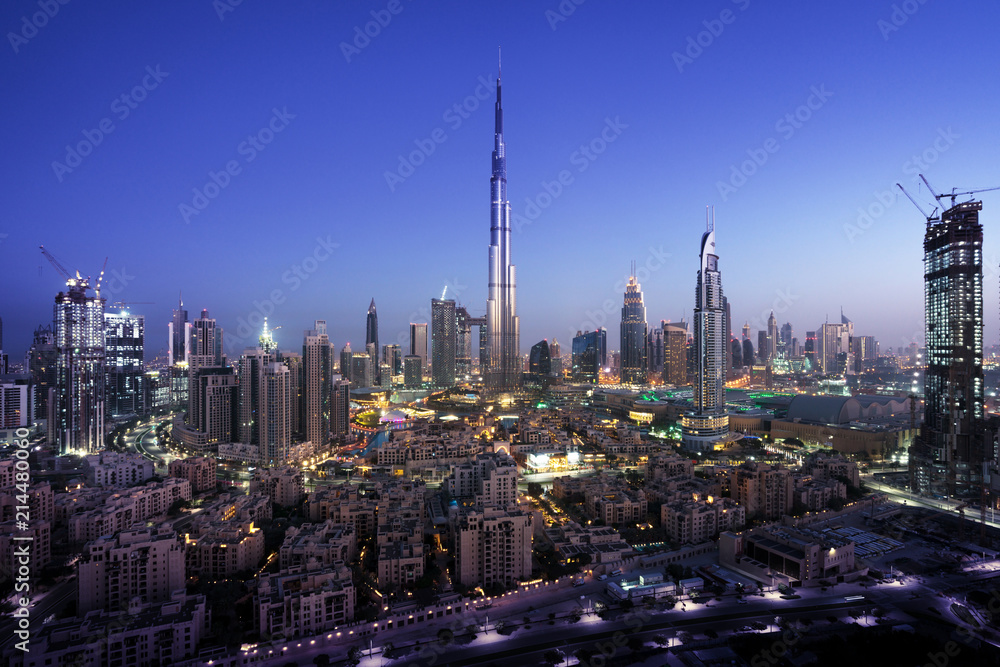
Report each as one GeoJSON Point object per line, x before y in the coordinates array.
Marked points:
{"type": "Point", "coordinates": [678, 124]}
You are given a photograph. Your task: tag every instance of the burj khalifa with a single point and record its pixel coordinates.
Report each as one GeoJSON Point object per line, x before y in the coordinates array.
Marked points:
{"type": "Point", "coordinates": [503, 367]}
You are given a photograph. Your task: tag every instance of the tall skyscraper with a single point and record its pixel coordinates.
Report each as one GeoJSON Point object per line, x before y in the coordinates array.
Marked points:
{"type": "Point", "coordinates": [43, 365]}
{"type": "Point", "coordinates": [763, 346]}
{"type": "Point", "coordinates": [948, 456]}
{"type": "Point", "coordinates": [341, 407]}
{"type": "Point", "coordinates": [746, 331]}
{"type": "Point", "coordinates": [727, 329]}
{"type": "Point", "coordinates": [392, 356]}
{"type": "Point", "coordinates": [203, 350]}
{"type": "Point", "coordinates": [708, 422]}
{"type": "Point", "coordinates": [503, 372]}
{"type": "Point", "coordinates": [444, 340]}
{"type": "Point", "coordinates": [124, 338]}
{"type": "Point", "coordinates": [178, 330]}
{"type": "Point", "coordinates": [736, 353]}
{"type": "Point", "coordinates": [540, 360]}
{"type": "Point", "coordinates": [654, 348]}
{"type": "Point", "coordinates": [412, 371]}
{"type": "Point", "coordinates": [634, 364]}
{"type": "Point", "coordinates": [418, 342]}
{"type": "Point", "coordinates": [748, 353]}
{"type": "Point", "coordinates": [463, 347]}
{"type": "Point", "coordinates": [346, 361]}
{"type": "Point", "coordinates": [810, 351]}
{"type": "Point", "coordinates": [785, 347]}
{"type": "Point", "coordinates": [371, 338]}
{"type": "Point", "coordinates": [317, 382]}
{"type": "Point", "coordinates": [80, 391]}
{"type": "Point", "coordinates": [265, 413]}
{"type": "Point", "coordinates": [590, 352]}
{"type": "Point", "coordinates": [674, 354]}
{"type": "Point", "coordinates": [362, 372]}
{"type": "Point", "coordinates": [772, 337]}
{"type": "Point", "coordinates": [834, 340]}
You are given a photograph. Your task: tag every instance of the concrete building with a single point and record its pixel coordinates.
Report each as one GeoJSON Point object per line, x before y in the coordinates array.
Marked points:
{"type": "Point", "coordinates": [284, 486]}
{"type": "Point", "coordinates": [302, 602]}
{"type": "Point", "coordinates": [121, 510]}
{"type": "Point", "coordinates": [317, 362]}
{"type": "Point", "coordinates": [198, 470]}
{"type": "Point", "coordinates": [40, 533]}
{"type": "Point", "coordinates": [444, 342]}
{"type": "Point", "coordinates": [492, 547]}
{"type": "Point", "coordinates": [116, 470]}
{"type": "Point", "coordinates": [222, 549]}
{"type": "Point", "coordinates": [142, 563]}
{"type": "Point", "coordinates": [696, 521]}
{"type": "Point", "coordinates": [490, 479]}
{"type": "Point", "coordinates": [764, 491]}
{"type": "Point", "coordinates": [326, 543]}
{"type": "Point", "coordinates": [774, 554]}
{"type": "Point", "coordinates": [343, 503]}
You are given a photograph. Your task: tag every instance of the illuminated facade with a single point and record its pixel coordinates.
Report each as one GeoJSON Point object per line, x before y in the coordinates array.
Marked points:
{"type": "Point", "coordinates": [708, 423]}
{"type": "Point", "coordinates": [371, 338]}
{"type": "Point", "coordinates": [674, 354]}
{"type": "Point", "coordinates": [444, 341]}
{"type": "Point", "coordinates": [124, 336]}
{"type": "Point", "coordinates": [80, 390]}
{"type": "Point", "coordinates": [503, 361]}
{"type": "Point", "coordinates": [590, 354]}
{"type": "Point", "coordinates": [317, 363]}
{"type": "Point", "coordinates": [948, 456]}
{"type": "Point", "coordinates": [634, 363]}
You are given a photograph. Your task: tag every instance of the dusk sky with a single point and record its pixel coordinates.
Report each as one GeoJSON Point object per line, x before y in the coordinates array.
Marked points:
{"type": "Point", "coordinates": [838, 101]}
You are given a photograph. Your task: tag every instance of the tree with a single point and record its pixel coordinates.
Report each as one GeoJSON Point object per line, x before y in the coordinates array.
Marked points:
{"type": "Point", "coordinates": [635, 643]}
{"type": "Point", "coordinates": [552, 657]}
{"type": "Point", "coordinates": [354, 655]}
{"type": "Point", "coordinates": [661, 640]}
{"type": "Point", "coordinates": [321, 660]}
{"type": "Point", "coordinates": [445, 636]}
{"type": "Point", "coordinates": [535, 489]}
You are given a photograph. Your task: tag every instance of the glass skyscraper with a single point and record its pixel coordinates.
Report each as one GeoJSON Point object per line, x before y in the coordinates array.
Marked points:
{"type": "Point", "coordinates": [633, 335]}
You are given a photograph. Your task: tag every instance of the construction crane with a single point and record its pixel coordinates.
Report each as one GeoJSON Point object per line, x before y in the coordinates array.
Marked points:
{"type": "Point", "coordinates": [97, 288]}
{"type": "Point", "coordinates": [954, 195]}
{"type": "Point", "coordinates": [60, 269]}
{"type": "Point", "coordinates": [930, 218]}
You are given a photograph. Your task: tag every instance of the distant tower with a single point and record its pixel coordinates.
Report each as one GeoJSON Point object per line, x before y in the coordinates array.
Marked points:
{"type": "Point", "coordinates": [265, 409]}
{"type": "Point", "coordinates": [708, 422]}
{"type": "Point", "coordinates": [736, 353]}
{"type": "Point", "coordinates": [418, 342]}
{"type": "Point", "coordinates": [503, 372]}
{"type": "Point", "coordinates": [785, 347]}
{"type": "Point", "coordinates": [674, 354]}
{"type": "Point", "coordinates": [43, 362]}
{"type": "Point", "coordinates": [772, 338]}
{"type": "Point", "coordinates": [444, 341]}
{"type": "Point", "coordinates": [178, 334]}
{"type": "Point", "coordinates": [80, 391]}
{"type": "Point", "coordinates": [746, 331]}
{"type": "Point", "coordinates": [634, 363]}
{"type": "Point", "coordinates": [346, 359]}
{"type": "Point", "coordinates": [748, 353]}
{"type": "Point", "coordinates": [371, 338]}
{"type": "Point", "coordinates": [540, 360]}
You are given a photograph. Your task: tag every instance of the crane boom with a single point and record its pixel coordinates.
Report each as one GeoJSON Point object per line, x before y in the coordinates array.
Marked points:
{"type": "Point", "coordinates": [55, 264]}
{"type": "Point", "coordinates": [919, 207]}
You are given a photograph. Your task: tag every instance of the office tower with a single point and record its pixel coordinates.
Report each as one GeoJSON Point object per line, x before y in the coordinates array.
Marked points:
{"type": "Point", "coordinates": [634, 363]}
{"type": "Point", "coordinates": [736, 353]}
{"type": "Point", "coordinates": [589, 355]}
{"type": "Point", "coordinates": [654, 348]}
{"type": "Point", "coordinates": [748, 352]}
{"type": "Point", "coordinates": [361, 369]}
{"type": "Point", "coordinates": [418, 342]}
{"type": "Point", "coordinates": [42, 365]}
{"type": "Point", "coordinates": [674, 354]}
{"type": "Point", "coordinates": [296, 378]}
{"type": "Point", "coordinates": [708, 422]}
{"type": "Point", "coordinates": [317, 383]}
{"type": "Point", "coordinates": [203, 349]}
{"type": "Point", "coordinates": [79, 335]}
{"type": "Point", "coordinates": [746, 331]}
{"type": "Point", "coordinates": [178, 331]}
{"type": "Point", "coordinates": [540, 361]}
{"type": "Point", "coordinates": [865, 349]}
{"type": "Point", "coordinates": [124, 337]}
{"type": "Point", "coordinates": [554, 350]}
{"type": "Point", "coordinates": [392, 355]}
{"type": "Point", "coordinates": [773, 336]}
{"type": "Point", "coordinates": [371, 338]}
{"type": "Point", "coordinates": [785, 347]}
{"type": "Point", "coordinates": [463, 345]}
{"type": "Point", "coordinates": [413, 368]}
{"type": "Point", "coordinates": [503, 371]}
{"type": "Point", "coordinates": [341, 407]}
{"type": "Point", "coordinates": [810, 351]}
{"type": "Point", "coordinates": [948, 456]}
{"type": "Point", "coordinates": [346, 357]}
{"type": "Point", "coordinates": [444, 339]}
{"type": "Point", "coordinates": [763, 347]}
{"type": "Point", "coordinates": [265, 411]}
{"type": "Point", "coordinates": [833, 339]}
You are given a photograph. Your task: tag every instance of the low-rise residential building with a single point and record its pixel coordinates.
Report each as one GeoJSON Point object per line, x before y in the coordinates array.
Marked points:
{"type": "Point", "coordinates": [39, 536]}
{"type": "Point", "coordinates": [222, 549]}
{"type": "Point", "coordinates": [326, 543]}
{"type": "Point", "coordinates": [116, 470]}
{"type": "Point", "coordinates": [300, 602]}
{"type": "Point", "coordinates": [490, 479]}
{"type": "Point", "coordinates": [343, 503]}
{"type": "Point", "coordinates": [284, 485]}
{"type": "Point", "coordinates": [492, 546]}
{"type": "Point", "coordinates": [125, 508]}
{"type": "Point", "coordinates": [764, 490]}
{"type": "Point", "coordinates": [137, 563]}
{"type": "Point", "coordinates": [199, 470]}
{"type": "Point", "coordinates": [161, 633]}
{"type": "Point", "coordinates": [696, 521]}
{"type": "Point", "coordinates": [618, 508]}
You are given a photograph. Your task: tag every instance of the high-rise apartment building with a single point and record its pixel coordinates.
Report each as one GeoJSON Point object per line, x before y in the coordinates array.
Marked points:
{"type": "Point", "coordinates": [124, 338]}
{"type": "Point", "coordinates": [317, 382]}
{"type": "Point", "coordinates": [674, 354]}
{"type": "Point", "coordinates": [80, 390]}
{"type": "Point", "coordinates": [418, 342]}
{"type": "Point", "coordinates": [265, 414]}
{"type": "Point", "coordinates": [634, 362]}
{"type": "Point", "coordinates": [444, 341]}
{"type": "Point", "coordinates": [178, 333]}
{"type": "Point", "coordinates": [412, 371]}
{"type": "Point", "coordinates": [340, 409]}
{"type": "Point", "coordinates": [463, 345]}
{"type": "Point", "coordinates": [371, 339]}
{"type": "Point", "coordinates": [42, 364]}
